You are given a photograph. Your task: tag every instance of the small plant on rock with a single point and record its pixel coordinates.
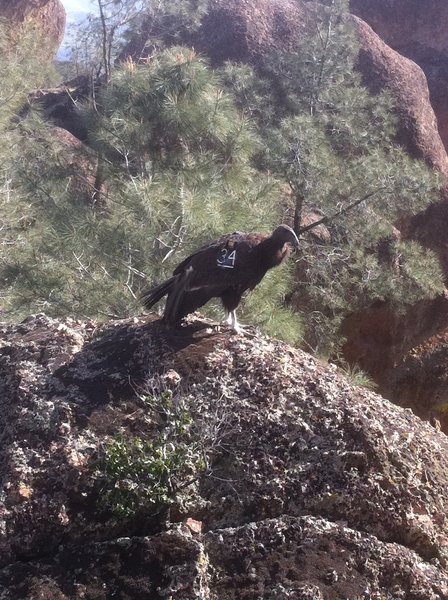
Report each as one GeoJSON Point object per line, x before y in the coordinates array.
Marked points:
{"type": "Point", "coordinates": [139, 475]}
{"type": "Point", "coordinates": [355, 375]}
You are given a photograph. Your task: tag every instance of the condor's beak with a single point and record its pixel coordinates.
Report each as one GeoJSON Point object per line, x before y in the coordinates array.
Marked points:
{"type": "Point", "coordinates": [295, 242]}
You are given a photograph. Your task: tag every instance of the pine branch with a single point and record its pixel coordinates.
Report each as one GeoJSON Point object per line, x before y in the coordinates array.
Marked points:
{"type": "Point", "coordinates": [340, 213]}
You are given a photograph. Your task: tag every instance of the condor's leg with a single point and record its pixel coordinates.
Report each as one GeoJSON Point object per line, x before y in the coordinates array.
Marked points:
{"type": "Point", "coordinates": [233, 322]}
{"type": "Point", "coordinates": [230, 299]}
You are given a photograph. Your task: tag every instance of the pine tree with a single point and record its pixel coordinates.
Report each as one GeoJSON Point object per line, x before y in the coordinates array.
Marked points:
{"type": "Point", "coordinates": [177, 160]}
{"type": "Point", "coordinates": [137, 28]}
{"type": "Point", "coordinates": [23, 67]}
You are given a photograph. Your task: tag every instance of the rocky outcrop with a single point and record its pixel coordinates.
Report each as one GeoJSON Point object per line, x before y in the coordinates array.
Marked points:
{"type": "Point", "coordinates": [417, 30]}
{"type": "Point", "coordinates": [78, 163]}
{"type": "Point", "coordinates": [420, 380]}
{"type": "Point", "coordinates": [67, 140]}
{"type": "Point", "coordinates": [378, 339]}
{"type": "Point", "coordinates": [316, 489]}
{"type": "Point", "coordinates": [246, 31]}
{"type": "Point", "coordinates": [60, 105]}
{"type": "Point", "coordinates": [47, 15]}
{"type": "Point", "coordinates": [385, 69]}
{"type": "Point", "coordinates": [406, 23]}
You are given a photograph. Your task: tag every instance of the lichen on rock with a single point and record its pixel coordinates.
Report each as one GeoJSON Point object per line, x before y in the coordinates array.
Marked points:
{"type": "Point", "coordinates": [316, 488]}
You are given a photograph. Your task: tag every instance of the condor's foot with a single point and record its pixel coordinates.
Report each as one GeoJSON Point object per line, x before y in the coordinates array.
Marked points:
{"type": "Point", "coordinates": [232, 322]}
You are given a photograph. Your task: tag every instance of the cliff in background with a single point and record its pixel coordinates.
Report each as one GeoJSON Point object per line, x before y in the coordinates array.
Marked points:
{"type": "Point", "coordinates": [417, 30]}
{"type": "Point", "coordinates": [315, 489]}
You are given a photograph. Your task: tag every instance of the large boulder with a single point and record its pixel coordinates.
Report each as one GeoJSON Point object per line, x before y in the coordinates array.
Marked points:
{"type": "Point", "coordinates": [47, 15]}
{"type": "Point", "coordinates": [385, 69]}
{"type": "Point", "coordinates": [416, 29]}
{"type": "Point", "coordinates": [314, 489]}
{"type": "Point", "coordinates": [245, 31]}
{"type": "Point", "coordinates": [406, 23]}
{"type": "Point", "coordinates": [378, 339]}
{"type": "Point", "coordinates": [60, 105]}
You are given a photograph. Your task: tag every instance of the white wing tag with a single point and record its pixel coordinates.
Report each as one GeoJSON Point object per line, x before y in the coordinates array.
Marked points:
{"type": "Point", "coordinates": [227, 258]}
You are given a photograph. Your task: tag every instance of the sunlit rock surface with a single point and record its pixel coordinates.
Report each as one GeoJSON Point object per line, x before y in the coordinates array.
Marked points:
{"type": "Point", "coordinates": [319, 489]}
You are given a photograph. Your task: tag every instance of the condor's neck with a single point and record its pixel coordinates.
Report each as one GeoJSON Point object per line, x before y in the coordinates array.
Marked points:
{"type": "Point", "coordinates": [273, 252]}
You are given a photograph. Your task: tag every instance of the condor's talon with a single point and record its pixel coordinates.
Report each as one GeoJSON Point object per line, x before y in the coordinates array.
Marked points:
{"type": "Point", "coordinates": [236, 327]}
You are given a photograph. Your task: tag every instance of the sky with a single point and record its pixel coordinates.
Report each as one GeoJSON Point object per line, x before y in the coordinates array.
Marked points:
{"type": "Point", "coordinates": [77, 6]}
{"type": "Point", "coordinates": [74, 8]}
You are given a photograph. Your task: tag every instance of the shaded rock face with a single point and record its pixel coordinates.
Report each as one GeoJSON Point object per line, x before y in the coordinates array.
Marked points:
{"type": "Point", "coordinates": [404, 23]}
{"type": "Point", "coordinates": [59, 105]}
{"type": "Point", "coordinates": [317, 490]}
{"type": "Point", "coordinates": [384, 68]}
{"type": "Point", "coordinates": [379, 340]}
{"type": "Point", "coordinates": [421, 380]}
{"type": "Point", "coordinates": [48, 15]}
{"type": "Point", "coordinates": [80, 165]}
{"type": "Point", "coordinates": [417, 29]}
{"type": "Point", "coordinates": [245, 31]}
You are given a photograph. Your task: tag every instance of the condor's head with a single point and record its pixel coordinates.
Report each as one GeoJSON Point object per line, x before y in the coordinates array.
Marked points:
{"type": "Point", "coordinates": [284, 235]}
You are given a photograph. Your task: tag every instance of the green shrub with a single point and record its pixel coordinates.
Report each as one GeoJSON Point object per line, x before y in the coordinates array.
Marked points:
{"type": "Point", "coordinates": [146, 475]}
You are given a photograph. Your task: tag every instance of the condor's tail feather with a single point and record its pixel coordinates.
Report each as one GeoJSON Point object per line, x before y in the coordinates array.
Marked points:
{"type": "Point", "coordinates": [153, 295]}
